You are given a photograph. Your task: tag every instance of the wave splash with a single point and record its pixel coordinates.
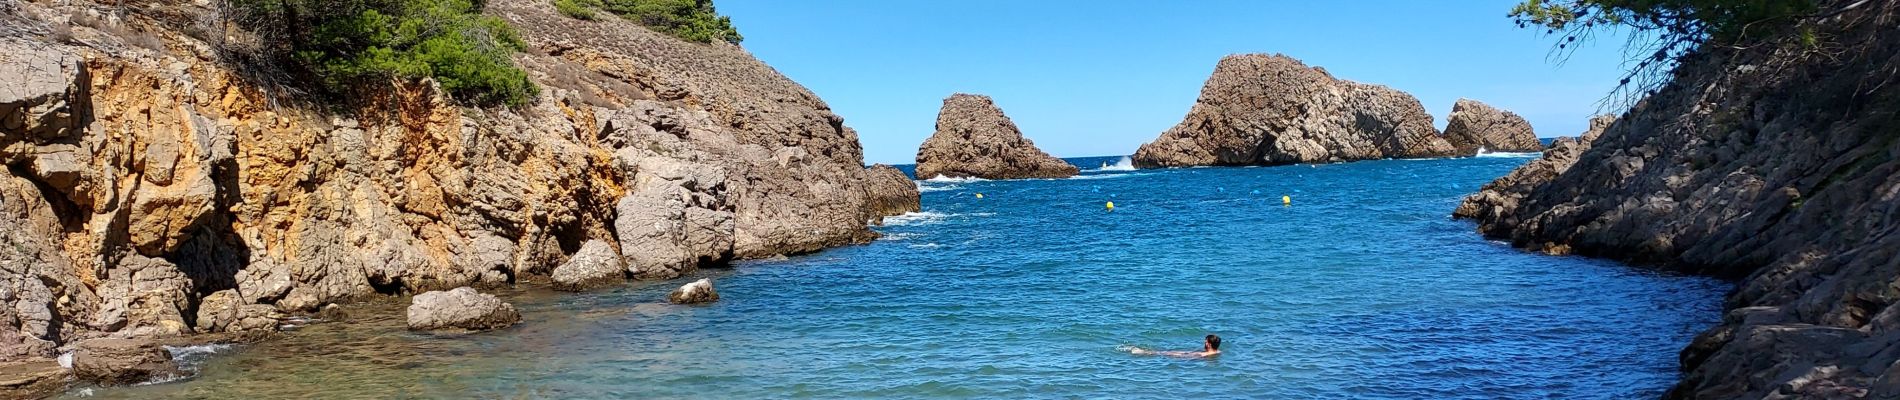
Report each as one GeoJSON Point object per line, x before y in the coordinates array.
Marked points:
{"type": "Point", "coordinates": [1488, 154]}
{"type": "Point", "coordinates": [916, 218]}
{"type": "Point", "coordinates": [1123, 164]}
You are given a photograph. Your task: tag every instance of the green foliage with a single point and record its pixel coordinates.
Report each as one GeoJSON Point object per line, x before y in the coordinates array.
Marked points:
{"type": "Point", "coordinates": [579, 9]}
{"type": "Point", "coordinates": [349, 43]}
{"type": "Point", "coordinates": [692, 20]}
{"type": "Point", "coordinates": [1721, 20]}
{"type": "Point", "coordinates": [1666, 30]}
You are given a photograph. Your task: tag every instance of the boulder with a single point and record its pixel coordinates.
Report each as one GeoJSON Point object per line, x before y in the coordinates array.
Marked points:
{"type": "Point", "coordinates": [594, 266]}
{"type": "Point", "coordinates": [700, 291]}
{"type": "Point", "coordinates": [889, 192]}
{"type": "Point", "coordinates": [1261, 109]}
{"type": "Point", "coordinates": [975, 139]}
{"type": "Point", "coordinates": [461, 308]}
{"type": "Point", "coordinates": [224, 311]}
{"type": "Point", "coordinates": [1475, 126]}
{"type": "Point", "coordinates": [113, 362]}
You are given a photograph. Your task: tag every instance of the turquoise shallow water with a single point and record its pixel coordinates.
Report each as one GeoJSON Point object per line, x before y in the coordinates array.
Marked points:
{"type": "Point", "coordinates": [1362, 288]}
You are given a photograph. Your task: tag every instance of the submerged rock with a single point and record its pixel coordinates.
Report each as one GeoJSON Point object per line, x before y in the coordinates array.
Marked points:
{"type": "Point", "coordinates": [975, 139]}
{"type": "Point", "coordinates": [114, 362]}
{"type": "Point", "coordinates": [889, 192]}
{"type": "Point", "coordinates": [1473, 126]}
{"type": "Point", "coordinates": [700, 291]}
{"type": "Point", "coordinates": [1261, 109]}
{"type": "Point", "coordinates": [594, 266]}
{"type": "Point", "coordinates": [461, 308]}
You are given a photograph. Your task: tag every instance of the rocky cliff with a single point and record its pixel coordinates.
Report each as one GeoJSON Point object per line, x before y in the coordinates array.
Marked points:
{"type": "Point", "coordinates": [1475, 126]}
{"type": "Point", "coordinates": [975, 139]}
{"type": "Point", "coordinates": [145, 174]}
{"type": "Point", "coordinates": [1261, 109]}
{"type": "Point", "coordinates": [1777, 163]}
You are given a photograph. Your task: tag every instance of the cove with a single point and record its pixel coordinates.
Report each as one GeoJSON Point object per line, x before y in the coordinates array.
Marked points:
{"type": "Point", "coordinates": [1362, 287]}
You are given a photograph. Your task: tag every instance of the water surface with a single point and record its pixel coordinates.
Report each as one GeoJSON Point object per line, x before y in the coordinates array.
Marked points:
{"type": "Point", "coordinates": [1361, 288]}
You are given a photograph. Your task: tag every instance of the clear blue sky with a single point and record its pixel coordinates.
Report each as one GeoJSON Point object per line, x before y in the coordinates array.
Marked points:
{"type": "Point", "coordinates": [1088, 78]}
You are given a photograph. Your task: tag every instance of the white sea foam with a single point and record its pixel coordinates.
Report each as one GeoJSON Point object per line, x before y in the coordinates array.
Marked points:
{"type": "Point", "coordinates": [1102, 176]}
{"type": "Point", "coordinates": [194, 352]}
{"type": "Point", "coordinates": [931, 245]}
{"type": "Point", "coordinates": [1124, 164]}
{"type": "Point", "coordinates": [945, 179]}
{"type": "Point", "coordinates": [1483, 154]}
{"type": "Point", "coordinates": [916, 218]}
{"type": "Point", "coordinates": [922, 188]}
{"type": "Point", "coordinates": [897, 236]}
{"type": "Point", "coordinates": [66, 360]}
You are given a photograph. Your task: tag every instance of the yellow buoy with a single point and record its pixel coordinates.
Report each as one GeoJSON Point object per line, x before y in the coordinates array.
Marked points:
{"type": "Point", "coordinates": [979, 195]}
{"type": "Point", "coordinates": [1111, 206]}
{"type": "Point", "coordinates": [1286, 200]}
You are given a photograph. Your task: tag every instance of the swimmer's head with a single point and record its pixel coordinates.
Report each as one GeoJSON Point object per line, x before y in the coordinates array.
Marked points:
{"type": "Point", "coordinates": [1213, 342]}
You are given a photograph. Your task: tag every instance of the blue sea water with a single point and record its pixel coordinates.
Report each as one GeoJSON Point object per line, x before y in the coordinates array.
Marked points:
{"type": "Point", "coordinates": [1362, 287]}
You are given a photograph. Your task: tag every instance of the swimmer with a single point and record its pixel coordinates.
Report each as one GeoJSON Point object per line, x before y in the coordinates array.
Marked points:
{"type": "Point", "coordinates": [1209, 348]}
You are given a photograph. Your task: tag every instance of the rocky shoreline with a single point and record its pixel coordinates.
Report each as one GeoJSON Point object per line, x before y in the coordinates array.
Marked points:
{"type": "Point", "coordinates": [1768, 163]}
{"type": "Point", "coordinates": [162, 194]}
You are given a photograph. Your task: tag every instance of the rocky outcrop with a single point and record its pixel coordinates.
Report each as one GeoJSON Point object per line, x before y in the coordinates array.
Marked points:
{"type": "Point", "coordinates": [975, 139]}
{"type": "Point", "coordinates": [1768, 162]}
{"type": "Point", "coordinates": [594, 266]}
{"type": "Point", "coordinates": [122, 361]}
{"type": "Point", "coordinates": [889, 192]}
{"type": "Point", "coordinates": [1475, 126]}
{"type": "Point", "coordinates": [1261, 109]}
{"type": "Point", "coordinates": [1500, 198]}
{"type": "Point", "coordinates": [700, 291]}
{"type": "Point", "coordinates": [461, 308]}
{"type": "Point", "coordinates": [153, 188]}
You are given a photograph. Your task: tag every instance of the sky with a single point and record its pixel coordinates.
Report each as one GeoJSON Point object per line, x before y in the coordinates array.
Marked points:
{"type": "Point", "coordinates": [1101, 77]}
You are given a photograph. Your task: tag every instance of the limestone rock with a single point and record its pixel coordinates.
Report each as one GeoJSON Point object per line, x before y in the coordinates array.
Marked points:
{"type": "Point", "coordinates": [975, 139]}
{"type": "Point", "coordinates": [145, 179]}
{"type": "Point", "coordinates": [224, 311]}
{"type": "Point", "coordinates": [595, 265]}
{"type": "Point", "coordinates": [122, 361]}
{"type": "Point", "coordinates": [700, 291]}
{"type": "Point", "coordinates": [664, 232]}
{"type": "Point", "coordinates": [1751, 165]}
{"type": "Point", "coordinates": [37, 102]}
{"type": "Point", "coordinates": [32, 379]}
{"type": "Point", "coordinates": [1261, 109]}
{"type": "Point", "coordinates": [461, 308]}
{"type": "Point", "coordinates": [1475, 126]}
{"type": "Point", "coordinates": [889, 192]}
